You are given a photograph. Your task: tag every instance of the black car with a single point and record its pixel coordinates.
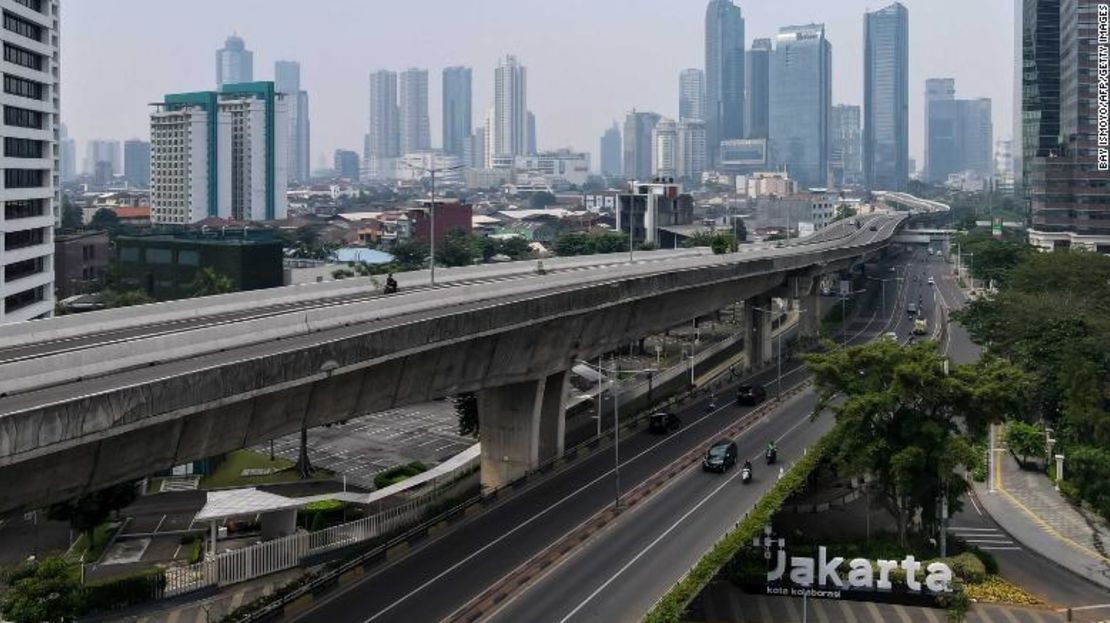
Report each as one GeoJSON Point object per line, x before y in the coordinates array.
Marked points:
{"type": "Point", "coordinates": [874, 228]}
{"type": "Point", "coordinates": [720, 457]}
{"type": "Point", "coordinates": [663, 422]}
{"type": "Point", "coordinates": [750, 395]}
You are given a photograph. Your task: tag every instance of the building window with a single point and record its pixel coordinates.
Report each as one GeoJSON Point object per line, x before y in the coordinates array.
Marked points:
{"type": "Point", "coordinates": [27, 208]}
{"type": "Point", "coordinates": [26, 268]}
{"type": "Point", "coordinates": [88, 252]}
{"type": "Point", "coordinates": [24, 178]}
{"type": "Point", "coordinates": [20, 26]}
{"type": "Point", "coordinates": [22, 148]}
{"type": "Point", "coordinates": [159, 256]}
{"type": "Point", "coordinates": [129, 254]}
{"type": "Point", "coordinates": [188, 258]}
{"type": "Point", "coordinates": [24, 238]}
{"type": "Point", "coordinates": [14, 85]}
{"type": "Point", "coordinates": [23, 299]}
{"type": "Point", "coordinates": [23, 118]}
{"type": "Point", "coordinates": [19, 56]}
{"type": "Point", "coordinates": [34, 5]}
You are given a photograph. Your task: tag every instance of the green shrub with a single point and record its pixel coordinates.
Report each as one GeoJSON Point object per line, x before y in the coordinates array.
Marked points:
{"type": "Point", "coordinates": [396, 474]}
{"type": "Point", "coordinates": [124, 592]}
{"type": "Point", "coordinates": [988, 560]}
{"type": "Point", "coordinates": [196, 554]}
{"type": "Point", "coordinates": [968, 567]}
{"type": "Point", "coordinates": [324, 506]}
{"type": "Point", "coordinates": [1086, 473]}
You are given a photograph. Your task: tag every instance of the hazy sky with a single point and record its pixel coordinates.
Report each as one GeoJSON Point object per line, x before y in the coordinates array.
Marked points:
{"type": "Point", "coordinates": [589, 61]}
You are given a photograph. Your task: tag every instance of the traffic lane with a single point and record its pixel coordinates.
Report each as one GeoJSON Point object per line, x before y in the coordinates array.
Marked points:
{"type": "Point", "coordinates": [497, 541]}
{"type": "Point", "coordinates": [620, 572]}
{"type": "Point", "coordinates": [1043, 578]}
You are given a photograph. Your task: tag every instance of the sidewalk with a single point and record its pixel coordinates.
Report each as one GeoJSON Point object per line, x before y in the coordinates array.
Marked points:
{"type": "Point", "coordinates": [1027, 505]}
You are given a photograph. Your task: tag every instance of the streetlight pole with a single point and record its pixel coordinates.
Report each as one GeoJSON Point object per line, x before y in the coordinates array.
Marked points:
{"type": "Point", "coordinates": [432, 170]}
{"type": "Point", "coordinates": [616, 429]}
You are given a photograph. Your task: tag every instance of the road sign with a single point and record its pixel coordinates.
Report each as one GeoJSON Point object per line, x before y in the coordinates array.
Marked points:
{"type": "Point", "coordinates": [845, 287]}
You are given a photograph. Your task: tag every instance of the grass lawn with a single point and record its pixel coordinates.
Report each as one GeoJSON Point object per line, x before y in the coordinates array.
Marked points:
{"type": "Point", "coordinates": [229, 473]}
{"type": "Point", "coordinates": [101, 535]}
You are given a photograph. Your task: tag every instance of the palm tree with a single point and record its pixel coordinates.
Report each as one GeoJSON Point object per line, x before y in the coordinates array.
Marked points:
{"type": "Point", "coordinates": [209, 282]}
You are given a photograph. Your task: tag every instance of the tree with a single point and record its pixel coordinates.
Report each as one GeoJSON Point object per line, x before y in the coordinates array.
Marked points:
{"type": "Point", "coordinates": [844, 211]}
{"type": "Point", "coordinates": [904, 420]}
{"type": "Point", "coordinates": [410, 254]}
{"type": "Point", "coordinates": [720, 241]}
{"type": "Point", "coordinates": [466, 408]}
{"type": "Point", "coordinates": [209, 281]}
{"type": "Point", "coordinates": [46, 591]}
{"type": "Point", "coordinates": [516, 248]}
{"type": "Point", "coordinates": [542, 200]}
{"type": "Point", "coordinates": [104, 219]}
{"type": "Point", "coordinates": [127, 298]}
{"type": "Point", "coordinates": [71, 214]}
{"type": "Point", "coordinates": [610, 242]}
{"type": "Point", "coordinates": [574, 243]}
{"type": "Point", "coordinates": [458, 249]}
{"type": "Point", "coordinates": [1024, 439]}
{"type": "Point", "coordinates": [88, 511]}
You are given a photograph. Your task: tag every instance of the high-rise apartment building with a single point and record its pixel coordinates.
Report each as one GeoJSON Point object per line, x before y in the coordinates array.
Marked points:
{"type": "Point", "coordinates": [886, 98]}
{"type": "Point", "coordinates": [1069, 187]}
{"type": "Point", "coordinates": [287, 80]}
{"type": "Point", "coordinates": [385, 125]}
{"type": "Point", "coordinates": [457, 115]}
{"type": "Point", "coordinates": [724, 73]}
{"type": "Point", "coordinates": [959, 134]}
{"type": "Point", "coordinates": [474, 149]}
{"type": "Point", "coordinates": [664, 149]}
{"type": "Point", "coordinates": [219, 154]}
{"type": "Point", "coordinates": [1038, 87]}
{"type": "Point", "coordinates": [638, 150]}
{"type": "Point", "coordinates": [611, 151]}
{"type": "Point", "coordinates": [31, 101]}
{"type": "Point", "coordinates": [413, 106]}
{"type": "Point", "coordinates": [508, 132]}
{"type": "Point", "coordinates": [530, 147]}
{"type": "Point", "coordinates": [68, 156]}
{"type": "Point", "coordinates": [234, 62]}
{"type": "Point", "coordinates": [845, 145]}
{"type": "Point", "coordinates": [98, 151]}
{"type": "Point", "coordinates": [692, 154]}
{"type": "Point", "coordinates": [801, 103]}
{"type": "Point", "coordinates": [757, 89]}
{"type": "Point", "coordinates": [691, 94]}
{"type": "Point", "coordinates": [346, 164]}
{"type": "Point", "coordinates": [136, 163]}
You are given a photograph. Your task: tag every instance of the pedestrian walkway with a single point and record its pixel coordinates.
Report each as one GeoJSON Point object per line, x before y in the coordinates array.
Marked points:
{"type": "Point", "coordinates": [723, 602]}
{"type": "Point", "coordinates": [214, 608]}
{"type": "Point", "coordinates": [986, 539]}
{"type": "Point", "coordinates": [1028, 507]}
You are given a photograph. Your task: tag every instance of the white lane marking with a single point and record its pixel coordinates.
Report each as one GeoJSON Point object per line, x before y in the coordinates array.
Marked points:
{"type": "Point", "coordinates": [675, 525]}
{"type": "Point", "coordinates": [533, 518]}
{"type": "Point", "coordinates": [970, 529]}
{"type": "Point", "coordinates": [989, 548]}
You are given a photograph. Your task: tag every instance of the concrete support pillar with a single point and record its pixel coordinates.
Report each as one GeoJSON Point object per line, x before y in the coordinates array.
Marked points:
{"type": "Point", "coordinates": [757, 342]}
{"type": "Point", "coordinates": [813, 309]}
{"type": "Point", "coordinates": [522, 427]}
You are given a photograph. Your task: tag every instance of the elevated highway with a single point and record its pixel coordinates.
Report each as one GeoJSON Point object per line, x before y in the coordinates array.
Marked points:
{"type": "Point", "coordinates": [91, 400]}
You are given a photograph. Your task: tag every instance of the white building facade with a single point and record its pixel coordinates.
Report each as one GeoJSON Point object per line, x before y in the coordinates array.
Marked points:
{"type": "Point", "coordinates": [31, 101]}
{"type": "Point", "coordinates": [664, 149]}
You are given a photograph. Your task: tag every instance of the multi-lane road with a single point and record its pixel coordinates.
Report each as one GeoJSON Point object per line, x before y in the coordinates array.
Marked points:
{"type": "Point", "coordinates": [619, 573]}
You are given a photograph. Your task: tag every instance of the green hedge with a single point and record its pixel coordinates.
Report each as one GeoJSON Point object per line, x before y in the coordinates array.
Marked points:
{"type": "Point", "coordinates": [124, 592]}
{"type": "Point", "coordinates": [395, 475]}
{"type": "Point", "coordinates": [670, 608]}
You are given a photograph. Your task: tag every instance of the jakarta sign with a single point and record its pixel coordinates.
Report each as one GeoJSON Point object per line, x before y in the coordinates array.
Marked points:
{"type": "Point", "coordinates": [824, 572]}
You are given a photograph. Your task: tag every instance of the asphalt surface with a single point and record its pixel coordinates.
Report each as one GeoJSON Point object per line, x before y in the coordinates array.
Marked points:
{"type": "Point", "coordinates": [76, 389]}
{"type": "Point", "coordinates": [442, 575]}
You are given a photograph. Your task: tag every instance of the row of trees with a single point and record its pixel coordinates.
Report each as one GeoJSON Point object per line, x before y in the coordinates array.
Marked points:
{"type": "Point", "coordinates": [1049, 318]}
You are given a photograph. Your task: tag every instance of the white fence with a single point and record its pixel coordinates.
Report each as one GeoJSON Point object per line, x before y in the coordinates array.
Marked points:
{"type": "Point", "coordinates": [287, 552]}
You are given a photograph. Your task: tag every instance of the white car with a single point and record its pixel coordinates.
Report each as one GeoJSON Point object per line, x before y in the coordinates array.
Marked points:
{"type": "Point", "coordinates": [892, 336]}
{"type": "Point", "coordinates": [931, 282]}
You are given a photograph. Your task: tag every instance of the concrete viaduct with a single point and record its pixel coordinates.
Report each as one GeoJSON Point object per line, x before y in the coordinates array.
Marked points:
{"type": "Point", "coordinates": [102, 398]}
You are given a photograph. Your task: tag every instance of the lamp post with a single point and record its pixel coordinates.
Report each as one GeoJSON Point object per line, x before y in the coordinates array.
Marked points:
{"type": "Point", "coordinates": [432, 211]}
{"type": "Point", "coordinates": [616, 425]}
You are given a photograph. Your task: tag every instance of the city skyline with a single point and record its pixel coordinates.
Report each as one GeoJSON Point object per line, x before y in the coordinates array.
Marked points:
{"type": "Point", "coordinates": [337, 80]}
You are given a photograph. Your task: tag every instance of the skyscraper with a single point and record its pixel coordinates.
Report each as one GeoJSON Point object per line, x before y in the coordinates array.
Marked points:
{"type": "Point", "coordinates": [234, 62]}
{"type": "Point", "coordinates": [68, 159]}
{"type": "Point", "coordinates": [638, 151]}
{"type": "Point", "coordinates": [457, 116]}
{"type": "Point", "coordinates": [691, 94]}
{"type": "Point", "coordinates": [757, 88]}
{"type": "Point", "coordinates": [219, 154]}
{"type": "Point", "coordinates": [530, 146]}
{"type": "Point", "coordinates": [611, 151]}
{"type": "Point", "coordinates": [1068, 188]}
{"type": "Point", "coordinates": [346, 164]}
{"type": "Point", "coordinates": [691, 150]}
{"type": "Point", "coordinates": [724, 74]}
{"type": "Point", "coordinates": [801, 102]}
{"type": "Point", "coordinates": [1038, 108]}
{"type": "Point", "coordinates": [664, 148]}
{"type": "Point", "coordinates": [886, 98]}
{"type": "Point", "coordinates": [287, 80]}
{"type": "Point", "coordinates": [959, 134]}
{"type": "Point", "coordinates": [31, 109]}
{"type": "Point", "coordinates": [99, 150]}
{"type": "Point", "coordinates": [385, 126]}
{"type": "Point", "coordinates": [136, 163]}
{"type": "Point", "coordinates": [508, 134]}
{"type": "Point", "coordinates": [845, 162]}
{"type": "Point", "coordinates": [413, 105]}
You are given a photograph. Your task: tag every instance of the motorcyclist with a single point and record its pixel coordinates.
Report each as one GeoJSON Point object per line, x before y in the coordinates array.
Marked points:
{"type": "Point", "coordinates": [390, 284]}
{"type": "Point", "coordinates": [748, 465]}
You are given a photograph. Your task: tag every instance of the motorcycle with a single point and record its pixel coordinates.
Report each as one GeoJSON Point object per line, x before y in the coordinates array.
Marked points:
{"type": "Point", "coordinates": [746, 475]}
{"type": "Point", "coordinates": [771, 455]}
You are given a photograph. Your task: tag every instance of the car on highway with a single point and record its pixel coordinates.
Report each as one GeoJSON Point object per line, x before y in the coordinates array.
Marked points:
{"type": "Point", "coordinates": [931, 282]}
{"type": "Point", "coordinates": [874, 228]}
{"type": "Point", "coordinates": [750, 395]}
{"type": "Point", "coordinates": [891, 336]}
{"type": "Point", "coordinates": [911, 309]}
{"type": "Point", "coordinates": [920, 326]}
{"type": "Point", "coordinates": [720, 457]}
{"type": "Point", "coordinates": [663, 422]}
